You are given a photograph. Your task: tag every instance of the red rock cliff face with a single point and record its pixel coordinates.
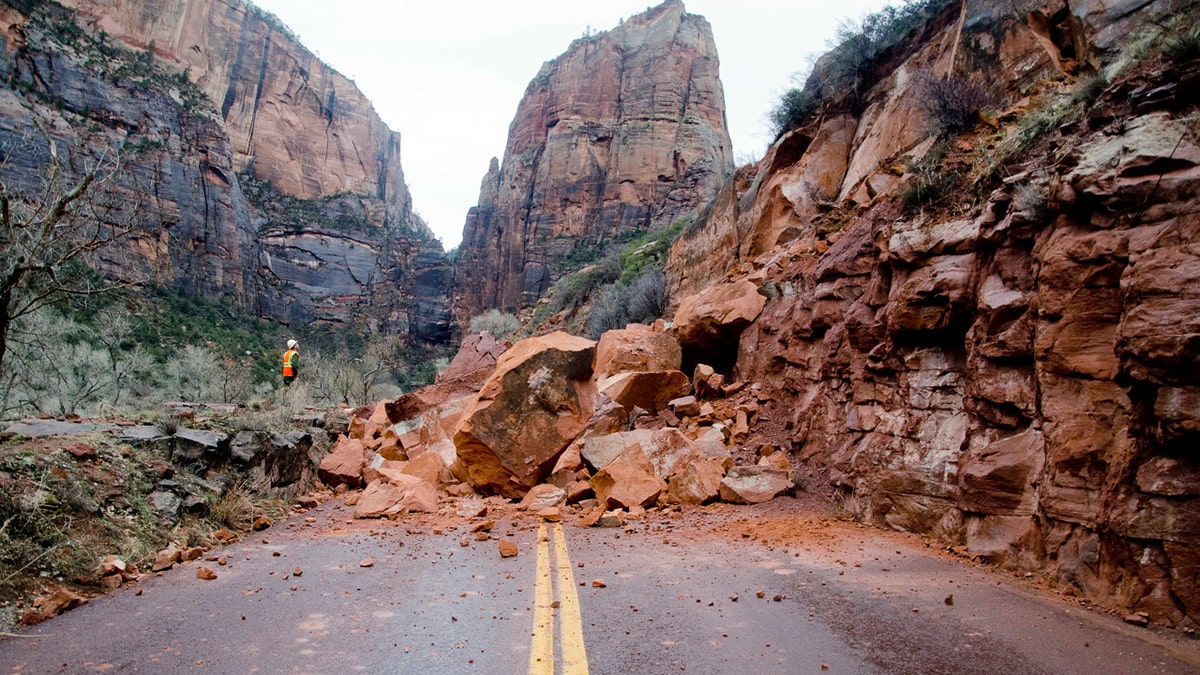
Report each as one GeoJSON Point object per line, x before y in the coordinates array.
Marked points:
{"type": "Point", "coordinates": [623, 132]}
{"type": "Point", "coordinates": [323, 232]}
{"type": "Point", "coordinates": [1014, 373]}
{"type": "Point", "coordinates": [291, 119]}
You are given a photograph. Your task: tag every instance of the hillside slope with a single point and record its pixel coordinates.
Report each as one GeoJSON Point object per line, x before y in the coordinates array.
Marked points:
{"type": "Point", "coordinates": [990, 337]}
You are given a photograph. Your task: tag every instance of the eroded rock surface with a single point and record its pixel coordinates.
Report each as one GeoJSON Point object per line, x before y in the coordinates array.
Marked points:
{"type": "Point", "coordinates": [1015, 375]}
{"type": "Point", "coordinates": [624, 131]}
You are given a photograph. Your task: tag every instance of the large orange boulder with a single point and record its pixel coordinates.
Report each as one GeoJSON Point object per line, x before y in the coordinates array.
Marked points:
{"type": "Point", "coordinates": [344, 464]}
{"type": "Point", "coordinates": [636, 349]}
{"type": "Point", "coordinates": [713, 319]}
{"type": "Point", "coordinates": [628, 481]}
{"type": "Point", "coordinates": [475, 360]}
{"type": "Point", "coordinates": [650, 391]}
{"type": "Point", "coordinates": [429, 467]}
{"type": "Point", "coordinates": [394, 494]}
{"type": "Point", "coordinates": [536, 402]}
{"type": "Point", "coordinates": [697, 482]}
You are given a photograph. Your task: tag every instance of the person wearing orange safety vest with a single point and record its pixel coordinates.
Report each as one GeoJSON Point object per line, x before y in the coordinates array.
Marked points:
{"type": "Point", "coordinates": [291, 363]}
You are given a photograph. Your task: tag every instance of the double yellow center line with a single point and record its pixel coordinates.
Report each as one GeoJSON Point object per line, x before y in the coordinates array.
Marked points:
{"type": "Point", "coordinates": [541, 656]}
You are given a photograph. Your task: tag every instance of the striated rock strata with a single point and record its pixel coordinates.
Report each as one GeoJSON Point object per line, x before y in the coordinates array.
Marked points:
{"type": "Point", "coordinates": [254, 171]}
{"type": "Point", "coordinates": [623, 132]}
{"type": "Point", "coordinates": [1014, 374]}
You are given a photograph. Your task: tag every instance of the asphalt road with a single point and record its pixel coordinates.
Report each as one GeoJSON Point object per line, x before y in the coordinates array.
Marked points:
{"type": "Point", "coordinates": [680, 594]}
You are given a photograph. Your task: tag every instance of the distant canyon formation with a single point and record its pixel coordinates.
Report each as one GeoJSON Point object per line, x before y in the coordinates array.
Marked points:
{"type": "Point", "coordinates": [624, 132]}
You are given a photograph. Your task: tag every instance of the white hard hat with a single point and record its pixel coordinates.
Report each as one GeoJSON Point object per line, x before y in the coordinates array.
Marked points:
{"type": "Point", "coordinates": [292, 344]}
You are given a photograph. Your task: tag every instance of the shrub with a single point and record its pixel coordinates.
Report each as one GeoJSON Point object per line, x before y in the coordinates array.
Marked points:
{"type": "Point", "coordinates": [609, 310]}
{"type": "Point", "coordinates": [499, 324]}
{"type": "Point", "coordinates": [951, 104]}
{"type": "Point", "coordinates": [648, 297]}
{"type": "Point", "coordinates": [616, 305]}
{"type": "Point", "coordinates": [1032, 201]}
{"type": "Point", "coordinates": [929, 179]}
{"type": "Point", "coordinates": [794, 108]}
{"type": "Point", "coordinates": [1182, 45]}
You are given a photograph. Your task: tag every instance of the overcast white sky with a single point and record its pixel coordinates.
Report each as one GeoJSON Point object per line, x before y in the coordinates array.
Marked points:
{"type": "Point", "coordinates": [449, 76]}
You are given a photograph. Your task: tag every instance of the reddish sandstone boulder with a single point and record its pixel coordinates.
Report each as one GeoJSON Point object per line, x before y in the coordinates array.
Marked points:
{"type": "Point", "coordinates": [392, 495]}
{"type": "Point", "coordinates": [538, 400]}
{"type": "Point", "coordinates": [650, 391]}
{"type": "Point", "coordinates": [636, 349]}
{"type": "Point", "coordinates": [475, 360]}
{"type": "Point", "coordinates": [599, 451]}
{"type": "Point", "coordinates": [543, 496]}
{"type": "Point", "coordinates": [753, 484]}
{"type": "Point", "coordinates": [430, 468]}
{"type": "Point", "coordinates": [716, 316]}
{"type": "Point", "coordinates": [697, 482]}
{"type": "Point", "coordinates": [628, 481]}
{"type": "Point", "coordinates": [344, 464]}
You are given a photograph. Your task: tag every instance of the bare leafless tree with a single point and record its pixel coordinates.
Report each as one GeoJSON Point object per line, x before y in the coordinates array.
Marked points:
{"type": "Point", "coordinates": [47, 234]}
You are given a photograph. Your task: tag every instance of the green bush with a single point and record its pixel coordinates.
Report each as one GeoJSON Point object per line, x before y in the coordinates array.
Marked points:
{"type": "Point", "coordinates": [793, 109]}
{"type": "Point", "coordinates": [929, 180]}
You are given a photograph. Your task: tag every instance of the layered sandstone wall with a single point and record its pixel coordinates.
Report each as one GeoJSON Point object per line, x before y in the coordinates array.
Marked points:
{"type": "Point", "coordinates": [280, 190]}
{"type": "Point", "coordinates": [291, 119]}
{"type": "Point", "coordinates": [1012, 371]}
{"type": "Point", "coordinates": [624, 132]}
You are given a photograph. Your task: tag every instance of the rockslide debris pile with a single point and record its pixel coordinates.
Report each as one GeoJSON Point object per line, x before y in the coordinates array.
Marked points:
{"type": "Point", "coordinates": [558, 419]}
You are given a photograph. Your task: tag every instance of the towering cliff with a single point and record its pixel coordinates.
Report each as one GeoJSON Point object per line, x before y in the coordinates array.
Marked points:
{"type": "Point", "coordinates": [258, 173]}
{"type": "Point", "coordinates": [291, 119]}
{"type": "Point", "coordinates": [990, 338]}
{"type": "Point", "coordinates": [624, 132]}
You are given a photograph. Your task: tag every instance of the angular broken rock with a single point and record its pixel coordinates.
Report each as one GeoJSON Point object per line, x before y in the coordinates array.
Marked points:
{"type": "Point", "coordinates": [628, 480]}
{"type": "Point", "coordinates": [685, 406]}
{"type": "Point", "coordinates": [650, 391]}
{"type": "Point", "coordinates": [543, 496]}
{"type": "Point", "coordinates": [697, 482]}
{"type": "Point", "coordinates": [344, 465]}
{"type": "Point", "coordinates": [366, 562]}
{"type": "Point", "coordinates": [59, 601]}
{"type": "Point", "coordinates": [111, 565]}
{"type": "Point", "coordinates": [610, 519]}
{"type": "Point", "coordinates": [508, 549]}
{"type": "Point", "coordinates": [598, 451]}
{"type": "Point", "coordinates": [779, 461]}
{"type": "Point", "coordinates": [167, 558]}
{"type": "Point", "coordinates": [392, 495]}
{"type": "Point", "coordinates": [636, 349]}
{"type": "Point", "coordinates": [669, 451]}
{"type": "Point", "coordinates": [754, 484]}
{"type": "Point", "coordinates": [260, 523]}
{"type": "Point", "coordinates": [551, 515]}
{"type": "Point", "coordinates": [429, 467]}
{"type": "Point", "coordinates": [206, 573]}
{"type": "Point", "coordinates": [537, 401]}
{"type": "Point", "coordinates": [712, 320]}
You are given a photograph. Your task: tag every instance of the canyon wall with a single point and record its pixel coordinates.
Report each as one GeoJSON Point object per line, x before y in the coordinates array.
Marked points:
{"type": "Point", "coordinates": [253, 171]}
{"type": "Point", "coordinates": [624, 132]}
{"type": "Point", "coordinates": [291, 119]}
{"type": "Point", "coordinates": [1010, 368]}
